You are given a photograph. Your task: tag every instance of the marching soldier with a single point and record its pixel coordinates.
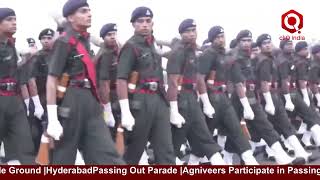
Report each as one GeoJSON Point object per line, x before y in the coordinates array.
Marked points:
{"type": "Point", "coordinates": [38, 81]}
{"type": "Point", "coordinates": [144, 112]}
{"type": "Point", "coordinates": [80, 124]}
{"type": "Point", "coordinates": [293, 74]}
{"type": "Point", "coordinates": [212, 68]}
{"type": "Point", "coordinates": [14, 127]}
{"type": "Point", "coordinates": [106, 75]}
{"type": "Point", "coordinates": [182, 69]}
{"type": "Point", "coordinates": [266, 73]}
{"type": "Point", "coordinates": [314, 78]}
{"type": "Point", "coordinates": [246, 102]}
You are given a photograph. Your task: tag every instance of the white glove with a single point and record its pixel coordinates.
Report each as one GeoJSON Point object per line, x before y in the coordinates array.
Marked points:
{"type": "Point", "coordinates": [305, 96]}
{"type": "Point", "coordinates": [54, 128]}
{"type": "Point", "coordinates": [208, 110]}
{"type": "Point", "coordinates": [289, 105]}
{"type": "Point", "coordinates": [247, 111]}
{"type": "Point", "coordinates": [27, 102]}
{"type": "Point", "coordinates": [127, 120]}
{"type": "Point", "coordinates": [317, 95]}
{"type": "Point", "coordinates": [38, 109]}
{"type": "Point", "coordinates": [108, 116]}
{"type": "Point", "coordinates": [269, 107]}
{"type": "Point", "coordinates": [175, 117]}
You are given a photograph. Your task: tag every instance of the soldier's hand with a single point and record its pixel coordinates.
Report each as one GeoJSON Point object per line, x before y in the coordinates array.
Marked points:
{"type": "Point", "coordinates": [127, 120]}
{"type": "Point", "coordinates": [289, 105]}
{"type": "Point", "coordinates": [109, 119]}
{"type": "Point", "coordinates": [208, 110]}
{"type": "Point", "coordinates": [38, 112]}
{"type": "Point", "coordinates": [247, 110]}
{"type": "Point", "coordinates": [175, 117]}
{"type": "Point", "coordinates": [54, 128]}
{"type": "Point", "coordinates": [38, 109]}
{"type": "Point", "coordinates": [307, 101]}
{"type": "Point", "coordinates": [270, 109]}
{"type": "Point", "coordinates": [108, 116]}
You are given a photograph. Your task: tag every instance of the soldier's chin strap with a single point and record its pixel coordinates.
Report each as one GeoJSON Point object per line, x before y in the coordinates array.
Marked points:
{"type": "Point", "coordinates": [90, 67]}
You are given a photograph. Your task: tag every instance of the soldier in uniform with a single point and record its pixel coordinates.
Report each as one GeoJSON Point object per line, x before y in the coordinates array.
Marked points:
{"type": "Point", "coordinates": [212, 81]}
{"type": "Point", "coordinates": [80, 124]}
{"type": "Point", "coordinates": [146, 117]}
{"type": "Point", "coordinates": [295, 103]}
{"type": "Point", "coordinates": [106, 74]}
{"type": "Point", "coordinates": [245, 99]}
{"type": "Point", "coordinates": [14, 127]}
{"type": "Point", "coordinates": [314, 78]}
{"type": "Point", "coordinates": [38, 81]}
{"type": "Point", "coordinates": [184, 108]}
{"type": "Point", "coordinates": [266, 73]}
{"type": "Point", "coordinates": [300, 79]}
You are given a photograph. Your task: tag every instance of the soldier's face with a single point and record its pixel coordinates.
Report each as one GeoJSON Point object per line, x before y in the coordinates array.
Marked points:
{"type": "Point", "coordinates": [304, 52]}
{"type": "Point", "coordinates": [143, 26]}
{"type": "Point", "coordinates": [47, 42]}
{"type": "Point", "coordinates": [288, 48]}
{"type": "Point", "coordinates": [8, 25]}
{"type": "Point", "coordinates": [220, 41]}
{"type": "Point", "coordinates": [111, 38]}
{"type": "Point", "coordinates": [254, 52]}
{"type": "Point", "coordinates": [189, 35]}
{"type": "Point", "coordinates": [81, 18]}
{"type": "Point", "coordinates": [266, 46]}
{"type": "Point", "coordinates": [245, 43]}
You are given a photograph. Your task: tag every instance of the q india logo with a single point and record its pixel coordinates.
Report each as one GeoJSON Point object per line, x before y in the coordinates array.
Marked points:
{"type": "Point", "coordinates": [292, 22]}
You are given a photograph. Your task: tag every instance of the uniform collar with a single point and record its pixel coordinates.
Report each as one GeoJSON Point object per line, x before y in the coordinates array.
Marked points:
{"type": "Point", "coordinates": [220, 50]}
{"type": "Point", "coordinates": [147, 40]}
{"type": "Point", "coordinates": [79, 35]}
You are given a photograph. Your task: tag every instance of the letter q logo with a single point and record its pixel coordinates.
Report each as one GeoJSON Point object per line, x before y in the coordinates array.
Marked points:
{"type": "Point", "coordinates": [292, 21]}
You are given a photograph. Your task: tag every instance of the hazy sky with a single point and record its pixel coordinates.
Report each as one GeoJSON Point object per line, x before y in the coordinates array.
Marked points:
{"type": "Point", "coordinates": [259, 16]}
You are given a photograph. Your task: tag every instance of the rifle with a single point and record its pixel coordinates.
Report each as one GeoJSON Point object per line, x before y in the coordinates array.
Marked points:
{"type": "Point", "coordinates": [43, 156]}
{"type": "Point", "coordinates": [47, 142]}
{"type": "Point", "coordinates": [119, 141]}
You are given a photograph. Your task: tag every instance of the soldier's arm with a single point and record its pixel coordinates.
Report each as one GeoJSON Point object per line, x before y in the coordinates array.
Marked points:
{"type": "Point", "coordinates": [174, 70]}
{"type": "Point", "coordinates": [56, 67]}
{"type": "Point", "coordinates": [206, 66]}
{"type": "Point", "coordinates": [33, 87]}
{"type": "Point", "coordinates": [52, 83]}
{"type": "Point", "coordinates": [302, 76]}
{"type": "Point", "coordinates": [201, 84]}
{"type": "Point", "coordinates": [124, 68]}
{"type": "Point", "coordinates": [265, 76]}
{"type": "Point", "coordinates": [104, 78]}
{"type": "Point", "coordinates": [313, 79]}
{"type": "Point", "coordinates": [237, 79]}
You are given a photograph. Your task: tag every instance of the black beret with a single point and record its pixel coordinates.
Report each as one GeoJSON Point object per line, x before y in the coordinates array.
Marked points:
{"type": "Point", "coordinates": [262, 38]}
{"type": "Point", "coordinates": [315, 49]}
{"type": "Point", "coordinates": [284, 42]}
{"type": "Point", "coordinates": [72, 5]}
{"type": "Point", "coordinates": [107, 28]}
{"type": "Point", "coordinates": [185, 24]}
{"type": "Point", "coordinates": [233, 43]}
{"type": "Point", "coordinates": [5, 12]}
{"type": "Point", "coordinates": [214, 32]}
{"type": "Point", "coordinates": [46, 32]}
{"type": "Point", "coordinates": [31, 41]}
{"type": "Point", "coordinates": [141, 12]}
{"type": "Point", "coordinates": [243, 34]}
{"type": "Point", "coordinates": [301, 45]}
